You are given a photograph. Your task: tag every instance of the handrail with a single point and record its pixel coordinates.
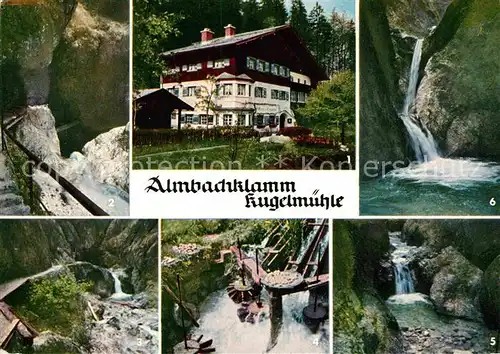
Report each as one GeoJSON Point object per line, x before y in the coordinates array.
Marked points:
{"type": "Point", "coordinates": [85, 201]}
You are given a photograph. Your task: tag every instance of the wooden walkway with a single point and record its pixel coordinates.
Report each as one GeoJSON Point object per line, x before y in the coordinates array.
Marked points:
{"type": "Point", "coordinates": [11, 323]}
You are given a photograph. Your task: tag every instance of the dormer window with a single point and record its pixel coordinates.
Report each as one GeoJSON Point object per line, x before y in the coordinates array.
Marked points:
{"type": "Point", "coordinates": [210, 64]}
{"type": "Point", "coordinates": [251, 62]}
{"type": "Point", "coordinates": [221, 63]}
{"type": "Point", "coordinates": [274, 69]}
{"type": "Point", "coordinates": [260, 65]}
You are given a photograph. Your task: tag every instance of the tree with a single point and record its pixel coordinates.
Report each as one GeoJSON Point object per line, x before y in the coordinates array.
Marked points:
{"type": "Point", "coordinates": [151, 34]}
{"type": "Point", "coordinates": [320, 33]}
{"type": "Point", "coordinates": [342, 43]}
{"type": "Point", "coordinates": [298, 19]}
{"type": "Point", "coordinates": [207, 98]}
{"type": "Point", "coordinates": [274, 12]}
{"type": "Point", "coordinates": [251, 16]}
{"type": "Point", "coordinates": [331, 104]}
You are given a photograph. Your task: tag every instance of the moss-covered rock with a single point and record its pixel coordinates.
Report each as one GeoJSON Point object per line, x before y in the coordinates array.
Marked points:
{"type": "Point", "coordinates": [490, 294]}
{"type": "Point", "coordinates": [476, 240]}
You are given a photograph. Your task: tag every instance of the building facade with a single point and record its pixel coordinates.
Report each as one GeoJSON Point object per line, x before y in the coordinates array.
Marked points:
{"type": "Point", "coordinates": [249, 79]}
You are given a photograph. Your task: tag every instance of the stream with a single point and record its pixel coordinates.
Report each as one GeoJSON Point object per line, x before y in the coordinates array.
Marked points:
{"type": "Point", "coordinates": [220, 322]}
{"type": "Point", "coordinates": [424, 330]}
{"type": "Point", "coordinates": [434, 184]}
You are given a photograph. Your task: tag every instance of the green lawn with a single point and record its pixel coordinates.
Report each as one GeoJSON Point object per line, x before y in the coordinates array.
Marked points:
{"type": "Point", "coordinates": [248, 154]}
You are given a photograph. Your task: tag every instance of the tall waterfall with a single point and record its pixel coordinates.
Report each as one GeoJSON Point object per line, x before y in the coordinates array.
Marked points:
{"type": "Point", "coordinates": [402, 272]}
{"type": "Point", "coordinates": [421, 138]}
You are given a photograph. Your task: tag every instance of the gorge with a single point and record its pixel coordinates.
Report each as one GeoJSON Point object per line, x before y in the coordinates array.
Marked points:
{"type": "Point", "coordinates": [442, 148]}
{"type": "Point", "coordinates": [50, 56]}
{"type": "Point", "coordinates": [415, 286]}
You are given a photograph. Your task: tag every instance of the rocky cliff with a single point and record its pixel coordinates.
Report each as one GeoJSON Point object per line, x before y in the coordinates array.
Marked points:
{"type": "Point", "coordinates": [382, 132]}
{"type": "Point", "coordinates": [54, 53]}
{"type": "Point", "coordinates": [31, 246]}
{"type": "Point", "coordinates": [459, 96]}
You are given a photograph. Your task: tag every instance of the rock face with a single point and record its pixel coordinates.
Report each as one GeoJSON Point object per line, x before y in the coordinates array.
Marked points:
{"type": "Point", "coordinates": [490, 294]}
{"type": "Point", "coordinates": [53, 54]}
{"type": "Point", "coordinates": [416, 18]}
{"type": "Point", "coordinates": [93, 52]}
{"type": "Point", "coordinates": [107, 157]}
{"type": "Point", "coordinates": [131, 244]}
{"type": "Point", "coordinates": [382, 130]}
{"type": "Point", "coordinates": [459, 96]}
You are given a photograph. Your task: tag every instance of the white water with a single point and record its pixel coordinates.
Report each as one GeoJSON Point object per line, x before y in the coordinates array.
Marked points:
{"type": "Point", "coordinates": [119, 295]}
{"type": "Point", "coordinates": [422, 140]}
{"type": "Point", "coordinates": [431, 167]}
{"type": "Point", "coordinates": [402, 272]}
{"type": "Point", "coordinates": [220, 323]}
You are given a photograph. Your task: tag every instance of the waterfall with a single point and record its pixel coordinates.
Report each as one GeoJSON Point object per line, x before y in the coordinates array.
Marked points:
{"type": "Point", "coordinates": [404, 280]}
{"type": "Point", "coordinates": [402, 271]}
{"type": "Point", "coordinates": [118, 283]}
{"type": "Point", "coordinates": [421, 138]}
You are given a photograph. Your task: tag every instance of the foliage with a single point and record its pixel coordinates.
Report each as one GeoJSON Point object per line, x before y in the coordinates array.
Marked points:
{"type": "Point", "coordinates": [168, 136]}
{"type": "Point", "coordinates": [298, 19]}
{"type": "Point", "coordinates": [332, 103]}
{"type": "Point", "coordinates": [295, 131]}
{"type": "Point", "coordinates": [19, 171]}
{"type": "Point", "coordinates": [190, 231]}
{"type": "Point", "coordinates": [152, 30]}
{"type": "Point", "coordinates": [57, 304]}
{"type": "Point", "coordinates": [313, 141]}
{"type": "Point", "coordinates": [207, 98]}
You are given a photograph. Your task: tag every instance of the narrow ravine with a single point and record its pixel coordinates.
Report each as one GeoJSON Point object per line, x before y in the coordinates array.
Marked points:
{"type": "Point", "coordinates": [425, 330]}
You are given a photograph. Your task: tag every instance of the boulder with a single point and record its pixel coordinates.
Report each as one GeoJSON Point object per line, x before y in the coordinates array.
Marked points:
{"type": "Point", "coordinates": [50, 342]}
{"type": "Point", "coordinates": [455, 288]}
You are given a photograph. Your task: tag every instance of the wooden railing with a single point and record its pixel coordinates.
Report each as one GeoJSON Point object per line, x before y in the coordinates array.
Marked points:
{"type": "Point", "coordinates": [35, 162]}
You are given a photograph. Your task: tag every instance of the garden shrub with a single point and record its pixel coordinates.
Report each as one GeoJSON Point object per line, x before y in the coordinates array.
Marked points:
{"type": "Point", "coordinates": [295, 131]}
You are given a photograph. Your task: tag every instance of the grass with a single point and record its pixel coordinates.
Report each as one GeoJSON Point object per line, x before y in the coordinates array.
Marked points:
{"type": "Point", "coordinates": [146, 150]}
{"type": "Point", "coordinates": [248, 154]}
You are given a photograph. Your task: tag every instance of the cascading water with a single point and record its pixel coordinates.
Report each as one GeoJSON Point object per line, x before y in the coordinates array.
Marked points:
{"type": "Point", "coordinates": [402, 272]}
{"type": "Point", "coordinates": [422, 140]}
{"type": "Point", "coordinates": [118, 294]}
{"type": "Point", "coordinates": [434, 185]}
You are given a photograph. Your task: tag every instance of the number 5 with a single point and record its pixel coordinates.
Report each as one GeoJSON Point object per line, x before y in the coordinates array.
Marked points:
{"type": "Point", "coordinates": [493, 341]}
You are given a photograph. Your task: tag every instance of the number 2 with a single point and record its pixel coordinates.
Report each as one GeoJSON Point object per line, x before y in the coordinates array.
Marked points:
{"type": "Point", "coordinates": [111, 203]}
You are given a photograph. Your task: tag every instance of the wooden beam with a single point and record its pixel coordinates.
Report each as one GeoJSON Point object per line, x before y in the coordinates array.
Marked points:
{"type": "Point", "coordinates": [6, 334]}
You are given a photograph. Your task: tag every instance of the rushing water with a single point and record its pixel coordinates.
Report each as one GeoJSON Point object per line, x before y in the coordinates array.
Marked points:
{"type": "Point", "coordinates": [402, 273]}
{"type": "Point", "coordinates": [220, 323]}
{"type": "Point", "coordinates": [434, 184]}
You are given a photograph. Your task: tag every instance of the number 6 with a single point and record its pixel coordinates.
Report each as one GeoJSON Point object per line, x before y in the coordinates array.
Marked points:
{"type": "Point", "coordinates": [493, 202]}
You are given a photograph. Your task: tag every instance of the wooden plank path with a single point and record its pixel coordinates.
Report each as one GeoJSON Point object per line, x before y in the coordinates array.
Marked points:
{"type": "Point", "coordinates": [10, 323]}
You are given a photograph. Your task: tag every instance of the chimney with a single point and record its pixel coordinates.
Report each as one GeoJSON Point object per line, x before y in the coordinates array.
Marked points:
{"type": "Point", "coordinates": [206, 35]}
{"type": "Point", "coordinates": [230, 30]}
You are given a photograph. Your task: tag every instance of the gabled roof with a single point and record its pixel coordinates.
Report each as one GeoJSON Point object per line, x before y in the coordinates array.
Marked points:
{"type": "Point", "coordinates": [223, 41]}
{"type": "Point", "coordinates": [165, 97]}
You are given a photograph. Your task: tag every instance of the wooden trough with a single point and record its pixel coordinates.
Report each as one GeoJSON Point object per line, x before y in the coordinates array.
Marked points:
{"type": "Point", "coordinates": [11, 324]}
